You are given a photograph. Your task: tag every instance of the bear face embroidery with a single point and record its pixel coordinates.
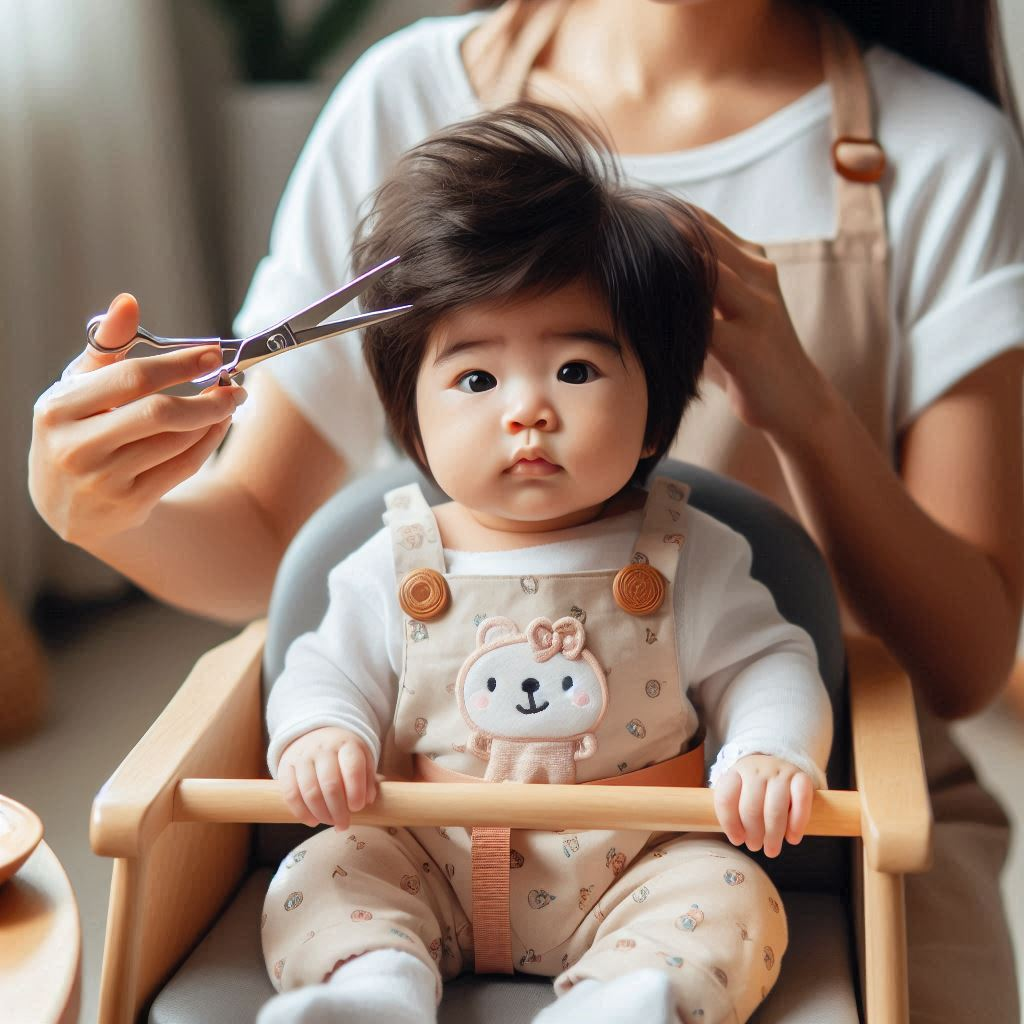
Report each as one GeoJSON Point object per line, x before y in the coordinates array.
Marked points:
{"type": "Point", "coordinates": [532, 699]}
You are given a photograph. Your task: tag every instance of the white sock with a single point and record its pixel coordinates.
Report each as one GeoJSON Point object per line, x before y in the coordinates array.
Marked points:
{"type": "Point", "coordinates": [643, 995]}
{"type": "Point", "coordinates": [386, 986]}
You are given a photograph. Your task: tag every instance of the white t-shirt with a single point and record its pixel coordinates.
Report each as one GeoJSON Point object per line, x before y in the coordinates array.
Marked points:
{"type": "Point", "coordinates": [953, 204]}
{"type": "Point", "coordinates": [752, 675]}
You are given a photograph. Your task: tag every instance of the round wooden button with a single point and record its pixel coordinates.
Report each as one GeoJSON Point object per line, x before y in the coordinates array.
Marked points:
{"type": "Point", "coordinates": [423, 594]}
{"type": "Point", "coordinates": [638, 588]}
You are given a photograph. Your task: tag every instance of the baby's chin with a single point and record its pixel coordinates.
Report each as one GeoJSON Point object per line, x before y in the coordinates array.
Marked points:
{"type": "Point", "coordinates": [537, 515]}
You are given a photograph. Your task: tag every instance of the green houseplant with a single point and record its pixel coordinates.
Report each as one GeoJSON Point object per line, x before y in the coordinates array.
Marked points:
{"type": "Point", "coordinates": [269, 49]}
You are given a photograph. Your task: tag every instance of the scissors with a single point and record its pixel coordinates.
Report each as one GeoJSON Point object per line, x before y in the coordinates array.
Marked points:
{"type": "Point", "coordinates": [302, 328]}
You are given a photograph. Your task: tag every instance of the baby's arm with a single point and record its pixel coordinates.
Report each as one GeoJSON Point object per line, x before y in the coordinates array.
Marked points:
{"type": "Point", "coordinates": [336, 696]}
{"type": "Point", "coordinates": [756, 679]}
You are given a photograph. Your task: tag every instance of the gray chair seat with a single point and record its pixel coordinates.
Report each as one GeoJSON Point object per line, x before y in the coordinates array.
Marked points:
{"type": "Point", "coordinates": [224, 979]}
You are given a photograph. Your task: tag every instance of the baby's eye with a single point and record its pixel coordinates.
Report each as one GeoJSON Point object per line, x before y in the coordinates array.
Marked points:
{"type": "Point", "coordinates": [567, 683]}
{"type": "Point", "coordinates": [577, 373]}
{"type": "Point", "coordinates": [491, 684]}
{"type": "Point", "coordinates": [476, 381]}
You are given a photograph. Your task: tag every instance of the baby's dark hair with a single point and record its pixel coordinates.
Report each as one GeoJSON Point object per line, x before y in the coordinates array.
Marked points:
{"type": "Point", "coordinates": [527, 200]}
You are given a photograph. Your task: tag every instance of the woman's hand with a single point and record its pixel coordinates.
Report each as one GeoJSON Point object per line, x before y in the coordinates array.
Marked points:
{"type": "Point", "coordinates": [326, 774]}
{"type": "Point", "coordinates": [761, 800]}
{"type": "Point", "coordinates": [756, 356]}
{"type": "Point", "coordinates": [106, 446]}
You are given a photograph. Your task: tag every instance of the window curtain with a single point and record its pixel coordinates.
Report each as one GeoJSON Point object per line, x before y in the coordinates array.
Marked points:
{"type": "Point", "coordinates": [95, 199]}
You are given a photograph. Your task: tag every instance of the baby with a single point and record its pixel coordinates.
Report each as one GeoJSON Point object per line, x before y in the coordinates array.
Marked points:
{"type": "Point", "coordinates": [553, 622]}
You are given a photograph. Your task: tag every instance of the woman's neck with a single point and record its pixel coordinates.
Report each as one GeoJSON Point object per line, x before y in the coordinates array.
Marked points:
{"type": "Point", "coordinates": [662, 76]}
{"type": "Point", "coordinates": [647, 44]}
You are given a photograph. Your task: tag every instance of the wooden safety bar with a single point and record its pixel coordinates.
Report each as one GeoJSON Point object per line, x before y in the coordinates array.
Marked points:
{"type": "Point", "coordinates": [553, 808]}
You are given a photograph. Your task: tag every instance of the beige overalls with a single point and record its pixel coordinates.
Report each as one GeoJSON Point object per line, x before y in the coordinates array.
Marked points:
{"type": "Point", "coordinates": [837, 294]}
{"type": "Point", "coordinates": [589, 904]}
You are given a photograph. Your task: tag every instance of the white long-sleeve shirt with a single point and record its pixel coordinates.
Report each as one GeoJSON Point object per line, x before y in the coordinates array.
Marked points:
{"type": "Point", "coordinates": [749, 675]}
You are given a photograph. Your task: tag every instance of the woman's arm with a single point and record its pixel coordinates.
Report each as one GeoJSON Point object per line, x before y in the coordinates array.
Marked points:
{"type": "Point", "coordinates": [930, 560]}
{"type": "Point", "coordinates": [213, 545]}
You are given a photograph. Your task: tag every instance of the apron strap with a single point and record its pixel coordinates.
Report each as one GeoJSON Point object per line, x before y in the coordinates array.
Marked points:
{"type": "Point", "coordinates": [415, 540]}
{"type": "Point", "coordinates": [857, 156]}
{"type": "Point", "coordinates": [663, 532]}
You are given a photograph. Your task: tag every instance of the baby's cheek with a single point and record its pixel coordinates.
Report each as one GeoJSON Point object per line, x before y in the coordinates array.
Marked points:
{"type": "Point", "coordinates": [581, 700]}
{"type": "Point", "coordinates": [481, 701]}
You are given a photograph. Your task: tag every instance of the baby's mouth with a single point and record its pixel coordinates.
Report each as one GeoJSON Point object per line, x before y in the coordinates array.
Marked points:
{"type": "Point", "coordinates": [533, 467]}
{"type": "Point", "coordinates": [532, 709]}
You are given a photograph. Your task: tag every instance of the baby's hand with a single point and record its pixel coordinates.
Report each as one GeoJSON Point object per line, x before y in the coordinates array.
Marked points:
{"type": "Point", "coordinates": [762, 799]}
{"type": "Point", "coordinates": [326, 774]}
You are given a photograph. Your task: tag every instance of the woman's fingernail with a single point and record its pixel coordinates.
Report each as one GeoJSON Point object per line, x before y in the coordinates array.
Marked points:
{"type": "Point", "coordinates": [209, 360]}
{"type": "Point", "coordinates": [239, 395]}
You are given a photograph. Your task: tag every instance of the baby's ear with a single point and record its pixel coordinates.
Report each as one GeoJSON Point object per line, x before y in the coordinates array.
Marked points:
{"type": "Point", "coordinates": [495, 628]}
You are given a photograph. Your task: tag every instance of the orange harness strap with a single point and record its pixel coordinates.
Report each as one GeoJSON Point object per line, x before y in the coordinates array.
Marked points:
{"type": "Point", "coordinates": [492, 936]}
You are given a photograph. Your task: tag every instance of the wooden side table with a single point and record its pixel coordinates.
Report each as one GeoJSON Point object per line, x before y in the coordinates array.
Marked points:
{"type": "Point", "coordinates": [40, 944]}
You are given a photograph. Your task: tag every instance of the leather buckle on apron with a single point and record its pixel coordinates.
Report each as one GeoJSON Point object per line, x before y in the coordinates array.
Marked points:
{"type": "Point", "coordinates": [858, 159]}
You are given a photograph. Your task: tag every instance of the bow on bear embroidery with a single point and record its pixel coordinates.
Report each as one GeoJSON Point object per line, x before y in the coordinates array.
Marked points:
{"type": "Point", "coordinates": [532, 699]}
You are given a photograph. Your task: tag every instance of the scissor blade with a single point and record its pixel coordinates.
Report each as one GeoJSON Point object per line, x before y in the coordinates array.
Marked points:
{"type": "Point", "coordinates": [350, 323]}
{"type": "Point", "coordinates": [316, 314]}
{"type": "Point", "coordinates": [257, 349]}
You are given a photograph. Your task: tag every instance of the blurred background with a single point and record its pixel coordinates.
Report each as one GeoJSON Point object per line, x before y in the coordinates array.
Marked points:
{"type": "Point", "coordinates": [145, 147]}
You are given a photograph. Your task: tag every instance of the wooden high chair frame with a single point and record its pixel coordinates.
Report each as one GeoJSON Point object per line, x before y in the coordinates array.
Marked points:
{"type": "Point", "coordinates": [177, 818]}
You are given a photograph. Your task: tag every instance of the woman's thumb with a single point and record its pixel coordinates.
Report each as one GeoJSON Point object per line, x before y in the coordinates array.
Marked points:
{"type": "Point", "coordinates": [116, 329]}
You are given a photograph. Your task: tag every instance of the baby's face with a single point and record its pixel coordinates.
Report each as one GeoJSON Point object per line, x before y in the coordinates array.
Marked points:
{"type": "Point", "coordinates": [532, 414]}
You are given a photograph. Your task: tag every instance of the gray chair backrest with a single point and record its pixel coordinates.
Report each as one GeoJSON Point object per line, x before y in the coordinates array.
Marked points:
{"type": "Point", "coordinates": [785, 560]}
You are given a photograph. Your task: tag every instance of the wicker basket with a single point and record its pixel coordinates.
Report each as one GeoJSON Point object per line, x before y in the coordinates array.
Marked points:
{"type": "Point", "coordinates": [24, 692]}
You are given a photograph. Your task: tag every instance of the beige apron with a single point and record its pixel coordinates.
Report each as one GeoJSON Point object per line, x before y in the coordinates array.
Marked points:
{"type": "Point", "coordinates": [489, 663]}
{"type": "Point", "coordinates": [837, 294]}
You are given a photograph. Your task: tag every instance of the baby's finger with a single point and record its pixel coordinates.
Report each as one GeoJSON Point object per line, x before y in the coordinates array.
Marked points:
{"type": "Point", "coordinates": [727, 793]}
{"type": "Point", "coordinates": [752, 810]}
{"type": "Point", "coordinates": [309, 787]}
{"type": "Point", "coordinates": [292, 794]}
{"type": "Point", "coordinates": [371, 777]}
{"type": "Point", "coordinates": [801, 792]}
{"type": "Point", "coordinates": [353, 770]}
{"type": "Point", "coordinates": [776, 814]}
{"type": "Point", "coordinates": [328, 775]}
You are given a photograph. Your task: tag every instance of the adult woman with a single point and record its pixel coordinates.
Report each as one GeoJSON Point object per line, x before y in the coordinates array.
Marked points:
{"type": "Point", "coordinates": [919, 518]}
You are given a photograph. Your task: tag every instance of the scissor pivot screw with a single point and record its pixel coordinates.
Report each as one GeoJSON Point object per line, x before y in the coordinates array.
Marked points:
{"type": "Point", "coordinates": [276, 342]}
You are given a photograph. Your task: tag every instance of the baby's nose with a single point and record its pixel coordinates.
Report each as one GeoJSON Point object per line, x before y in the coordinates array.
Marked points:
{"type": "Point", "coordinates": [530, 686]}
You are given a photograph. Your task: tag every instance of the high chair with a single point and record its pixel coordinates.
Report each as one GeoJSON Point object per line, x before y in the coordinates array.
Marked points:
{"type": "Point", "coordinates": [187, 815]}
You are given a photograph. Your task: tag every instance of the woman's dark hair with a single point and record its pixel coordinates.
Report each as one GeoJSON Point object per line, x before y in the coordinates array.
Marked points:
{"type": "Point", "coordinates": [525, 200]}
{"type": "Point", "coordinates": [959, 38]}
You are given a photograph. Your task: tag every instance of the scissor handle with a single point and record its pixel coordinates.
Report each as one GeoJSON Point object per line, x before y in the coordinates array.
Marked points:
{"type": "Point", "coordinates": [90, 335]}
{"type": "Point", "coordinates": [142, 335]}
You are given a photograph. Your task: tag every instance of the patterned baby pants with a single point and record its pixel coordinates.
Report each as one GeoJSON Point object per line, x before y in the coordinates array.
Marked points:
{"type": "Point", "coordinates": [690, 905]}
